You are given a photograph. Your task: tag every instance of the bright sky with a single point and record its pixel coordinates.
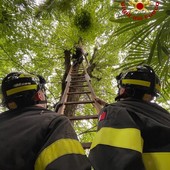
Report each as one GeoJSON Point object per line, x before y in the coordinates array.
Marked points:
{"type": "Point", "coordinates": [39, 1]}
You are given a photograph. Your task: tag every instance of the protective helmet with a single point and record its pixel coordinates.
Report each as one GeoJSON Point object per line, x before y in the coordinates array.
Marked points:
{"type": "Point", "coordinates": [139, 80]}
{"type": "Point", "coordinates": [20, 88]}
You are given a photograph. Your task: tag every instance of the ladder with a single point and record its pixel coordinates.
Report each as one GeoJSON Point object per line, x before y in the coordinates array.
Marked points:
{"type": "Point", "coordinates": [78, 83]}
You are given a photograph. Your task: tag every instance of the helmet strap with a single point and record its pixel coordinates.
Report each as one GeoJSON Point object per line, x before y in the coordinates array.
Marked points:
{"type": "Point", "coordinates": [125, 92]}
{"type": "Point", "coordinates": [41, 102]}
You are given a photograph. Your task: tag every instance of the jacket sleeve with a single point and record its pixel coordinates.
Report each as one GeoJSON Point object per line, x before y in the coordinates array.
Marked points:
{"type": "Point", "coordinates": [61, 149]}
{"type": "Point", "coordinates": [118, 143]}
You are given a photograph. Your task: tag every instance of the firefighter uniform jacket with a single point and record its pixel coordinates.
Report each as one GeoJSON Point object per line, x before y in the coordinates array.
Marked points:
{"type": "Point", "coordinates": [38, 139]}
{"type": "Point", "coordinates": [132, 135]}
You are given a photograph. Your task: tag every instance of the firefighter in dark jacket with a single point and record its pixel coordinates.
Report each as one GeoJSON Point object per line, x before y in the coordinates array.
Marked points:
{"type": "Point", "coordinates": [32, 137]}
{"type": "Point", "coordinates": [133, 133]}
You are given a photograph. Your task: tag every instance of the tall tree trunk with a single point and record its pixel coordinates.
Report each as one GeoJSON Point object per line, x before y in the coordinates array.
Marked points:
{"type": "Point", "coordinates": [70, 109]}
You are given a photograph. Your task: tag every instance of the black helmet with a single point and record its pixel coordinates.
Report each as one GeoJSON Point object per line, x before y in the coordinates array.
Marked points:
{"type": "Point", "coordinates": [139, 80]}
{"type": "Point", "coordinates": [20, 88]}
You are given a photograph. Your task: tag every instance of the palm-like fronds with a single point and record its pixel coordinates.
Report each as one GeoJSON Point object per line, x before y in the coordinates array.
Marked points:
{"type": "Point", "coordinates": [150, 41]}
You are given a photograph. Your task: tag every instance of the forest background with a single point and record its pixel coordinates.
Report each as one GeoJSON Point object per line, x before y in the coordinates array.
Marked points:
{"type": "Point", "coordinates": [40, 37]}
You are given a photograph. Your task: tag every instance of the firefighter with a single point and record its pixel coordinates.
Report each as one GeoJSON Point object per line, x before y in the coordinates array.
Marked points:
{"type": "Point", "coordinates": [31, 136]}
{"type": "Point", "coordinates": [133, 133]}
{"type": "Point", "coordinates": [77, 57]}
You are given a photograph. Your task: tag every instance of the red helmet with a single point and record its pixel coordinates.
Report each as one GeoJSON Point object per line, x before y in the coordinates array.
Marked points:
{"type": "Point", "coordinates": [142, 79]}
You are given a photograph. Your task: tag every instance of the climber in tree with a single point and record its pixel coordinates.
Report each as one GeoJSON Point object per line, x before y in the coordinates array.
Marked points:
{"type": "Point", "coordinates": [77, 57]}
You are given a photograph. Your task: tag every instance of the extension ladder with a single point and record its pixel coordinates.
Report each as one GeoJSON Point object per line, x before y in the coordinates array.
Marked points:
{"type": "Point", "coordinates": [78, 83]}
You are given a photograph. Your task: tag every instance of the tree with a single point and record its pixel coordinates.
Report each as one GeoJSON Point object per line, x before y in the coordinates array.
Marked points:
{"type": "Point", "coordinates": [150, 41]}
{"type": "Point", "coordinates": [41, 38]}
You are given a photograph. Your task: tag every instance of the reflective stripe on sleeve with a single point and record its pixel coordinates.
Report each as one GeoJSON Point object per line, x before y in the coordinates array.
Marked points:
{"type": "Point", "coordinates": [157, 161]}
{"type": "Point", "coordinates": [57, 149]}
{"type": "Point", "coordinates": [129, 138]}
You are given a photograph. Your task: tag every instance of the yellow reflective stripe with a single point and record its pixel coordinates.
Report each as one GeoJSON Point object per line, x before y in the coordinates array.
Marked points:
{"type": "Point", "coordinates": [20, 89]}
{"type": "Point", "coordinates": [57, 149]}
{"type": "Point", "coordinates": [129, 138]}
{"type": "Point", "coordinates": [136, 82]}
{"type": "Point", "coordinates": [157, 161]}
{"type": "Point", "coordinates": [26, 76]}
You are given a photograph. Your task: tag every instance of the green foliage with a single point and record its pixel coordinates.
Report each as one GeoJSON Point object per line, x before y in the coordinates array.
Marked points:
{"type": "Point", "coordinates": [149, 42]}
{"type": "Point", "coordinates": [83, 21]}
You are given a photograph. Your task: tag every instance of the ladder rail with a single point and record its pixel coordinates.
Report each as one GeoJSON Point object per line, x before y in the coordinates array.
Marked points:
{"type": "Point", "coordinates": [65, 96]}
{"type": "Point", "coordinates": [93, 95]}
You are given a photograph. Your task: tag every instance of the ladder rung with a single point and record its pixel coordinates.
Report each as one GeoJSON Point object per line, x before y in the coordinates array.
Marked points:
{"type": "Point", "coordinates": [86, 145]}
{"type": "Point", "coordinates": [79, 86]}
{"type": "Point", "coordinates": [69, 93]}
{"type": "Point", "coordinates": [76, 74]}
{"type": "Point", "coordinates": [75, 81]}
{"type": "Point", "coordinates": [78, 102]}
{"type": "Point", "coordinates": [83, 117]}
{"type": "Point", "coordinates": [78, 77]}
{"type": "Point", "coordinates": [77, 71]}
{"type": "Point", "coordinates": [80, 69]}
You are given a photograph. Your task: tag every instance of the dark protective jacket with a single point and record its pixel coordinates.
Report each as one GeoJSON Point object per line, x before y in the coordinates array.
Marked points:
{"type": "Point", "coordinates": [132, 135]}
{"type": "Point", "coordinates": [38, 139]}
